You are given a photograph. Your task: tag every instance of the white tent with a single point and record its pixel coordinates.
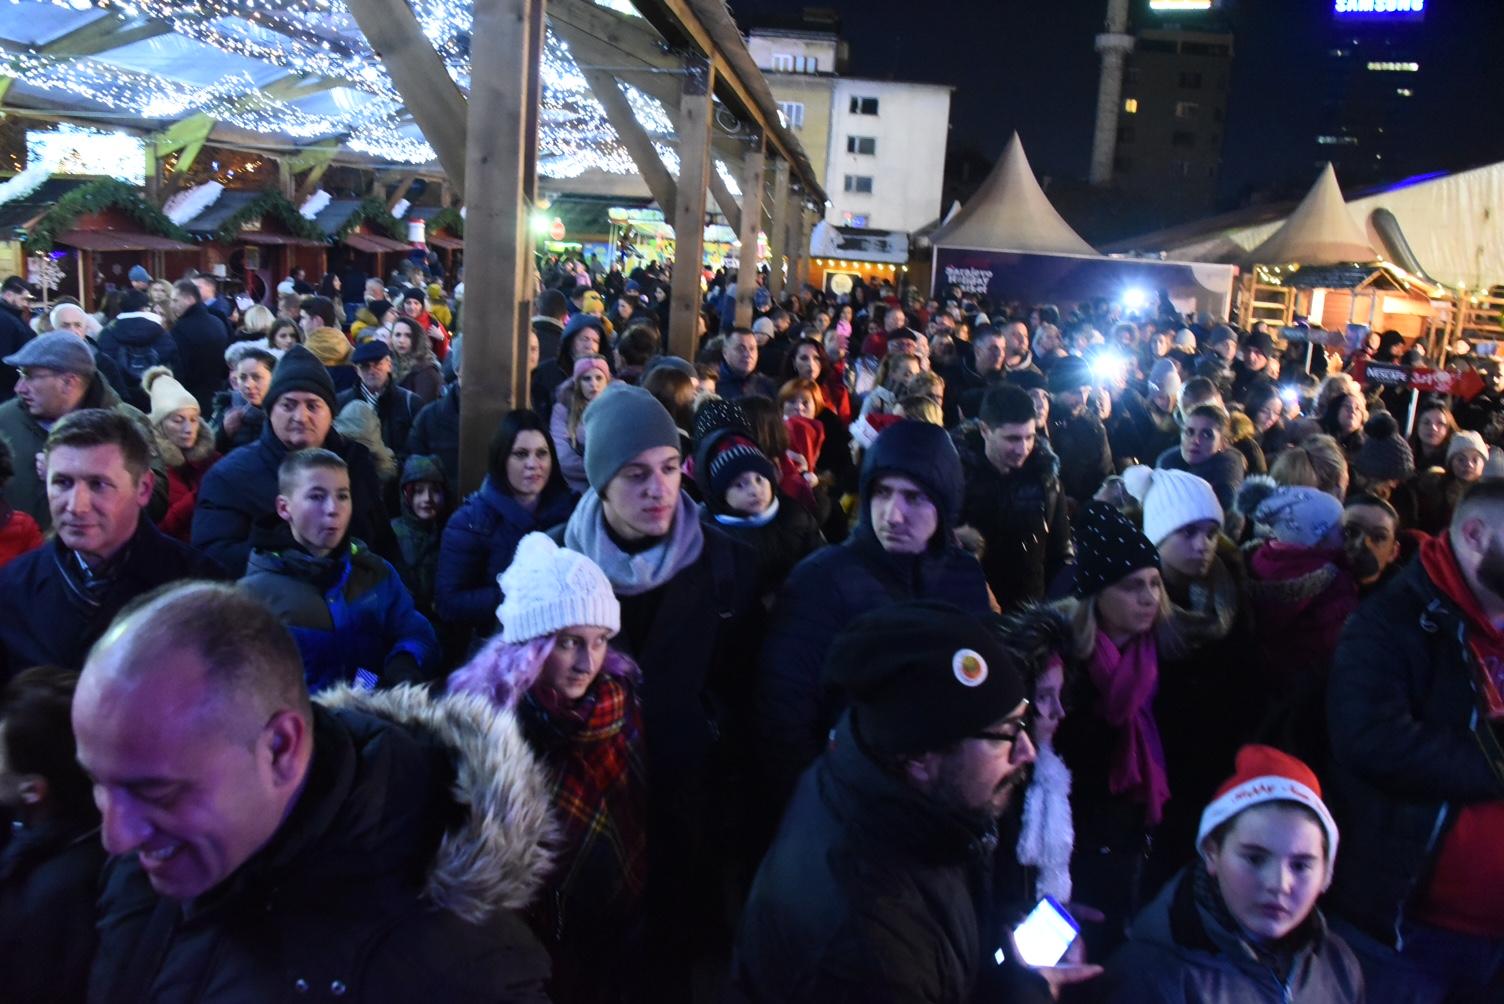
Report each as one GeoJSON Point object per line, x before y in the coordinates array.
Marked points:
{"type": "Point", "coordinates": [1010, 212]}
{"type": "Point", "coordinates": [1321, 231]}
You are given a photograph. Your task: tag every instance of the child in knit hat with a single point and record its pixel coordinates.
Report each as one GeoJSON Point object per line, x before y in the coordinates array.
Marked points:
{"type": "Point", "coordinates": [576, 699]}
{"type": "Point", "coordinates": [1437, 492]}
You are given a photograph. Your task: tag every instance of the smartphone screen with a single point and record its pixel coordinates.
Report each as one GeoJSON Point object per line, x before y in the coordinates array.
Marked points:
{"type": "Point", "coordinates": [1045, 934]}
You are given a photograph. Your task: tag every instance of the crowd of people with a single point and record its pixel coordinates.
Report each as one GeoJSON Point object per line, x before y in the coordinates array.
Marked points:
{"type": "Point", "coordinates": [800, 670]}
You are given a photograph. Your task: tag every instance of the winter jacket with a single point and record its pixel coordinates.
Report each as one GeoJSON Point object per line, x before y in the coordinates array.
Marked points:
{"type": "Point", "coordinates": [251, 421]}
{"type": "Point", "coordinates": [780, 542]}
{"type": "Point", "coordinates": [201, 338]}
{"type": "Point", "coordinates": [19, 533]}
{"type": "Point", "coordinates": [184, 474]}
{"type": "Point", "coordinates": [477, 546]}
{"type": "Point", "coordinates": [1301, 598]}
{"type": "Point", "coordinates": [1021, 515]}
{"type": "Point", "coordinates": [136, 342]}
{"type": "Point", "coordinates": [874, 894]}
{"type": "Point", "coordinates": [355, 896]}
{"type": "Point", "coordinates": [1178, 952]}
{"type": "Point", "coordinates": [417, 557]}
{"type": "Point", "coordinates": [732, 385]}
{"type": "Point", "coordinates": [395, 406]}
{"type": "Point", "coordinates": [1409, 748]}
{"type": "Point", "coordinates": [436, 431]}
{"type": "Point", "coordinates": [832, 586]}
{"type": "Point", "coordinates": [15, 331]}
{"type": "Point", "coordinates": [350, 614]}
{"type": "Point", "coordinates": [49, 874]}
{"type": "Point", "coordinates": [571, 457]}
{"type": "Point", "coordinates": [1224, 471]}
{"type": "Point", "coordinates": [425, 381]}
{"type": "Point", "coordinates": [60, 621]}
{"type": "Point", "coordinates": [1080, 442]}
{"type": "Point", "coordinates": [240, 492]}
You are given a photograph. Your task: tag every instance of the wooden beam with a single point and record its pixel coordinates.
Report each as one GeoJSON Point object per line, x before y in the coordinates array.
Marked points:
{"type": "Point", "coordinates": [506, 42]}
{"type": "Point", "coordinates": [400, 192]}
{"type": "Point", "coordinates": [633, 136]}
{"type": "Point", "coordinates": [779, 234]}
{"type": "Point", "coordinates": [420, 77]}
{"type": "Point", "coordinates": [754, 165]}
{"type": "Point", "coordinates": [103, 34]}
{"type": "Point", "coordinates": [695, 109]}
{"type": "Point", "coordinates": [721, 193]}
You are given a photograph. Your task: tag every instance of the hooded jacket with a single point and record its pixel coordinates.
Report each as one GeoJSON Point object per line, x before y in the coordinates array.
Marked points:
{"type": "Point", "coordinates": [833, 585]}
{"type": "Point", "coordinates": [1224, 471]}
{"type": "Point", "coordinates": [436, 431]}
{"type": "Point", "coordinates": [136, 341]}
{"type": "Point", "coordinates": [417, 558]}
{"type": "Point", "coordinates": [423, 825]}
{"type": "Point", "coordinates": [185, 472]}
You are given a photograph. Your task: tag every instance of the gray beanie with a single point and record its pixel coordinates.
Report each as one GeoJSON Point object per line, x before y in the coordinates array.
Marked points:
{"type": "Point", "coordinates": [619, 424]}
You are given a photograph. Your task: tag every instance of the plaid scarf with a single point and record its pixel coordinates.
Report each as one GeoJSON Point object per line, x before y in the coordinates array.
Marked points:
{"type": "Point", "coordinates": [600, 795]}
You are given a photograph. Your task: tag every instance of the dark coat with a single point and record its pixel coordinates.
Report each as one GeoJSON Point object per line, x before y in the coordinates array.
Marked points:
{"type": "Point", "coordinates": [1021, 516]}
{"type": "Point", "coordinates": [779, 544]}
{"type": "Point", "coordinates": [732, 385]}
{"type": "Point", "coordinates": [1223, 471]}
{"type": "Point", "coordinates": [48, 879]}
{"type": "Point", "coordinates": [137, 342]}
{"type": "Point", "coordinates": [201, 339]}
{"type": "Point", "coordinates": [436, 432]}
{"type": "Point", "coordinates": [397, 408]}
{"type": "Point", "coordinates": [15, 331]}
{"type": "Point", "coordinates": [48, 619]}
{"type": "Point", "coordinates": [1080, 442]}
{"type": "Point", "coordinates": [478, 543]}
{"type": "Point", "coordinates": [1409, 749]}
{"type": "Point", "coordinates": [241, 491]}
{"type": "Point", "coordinates": [871, 894]}
{"type": "Point", "coordinates": [335, 904]}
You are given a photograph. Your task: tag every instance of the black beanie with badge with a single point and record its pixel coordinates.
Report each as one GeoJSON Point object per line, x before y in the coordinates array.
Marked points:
{"type": "Point", "coordinates": [1108, 549]}
{"type": "Point", "coordinates": [299, 370]}
{"type": "Point", "coordinates": [923, 675]}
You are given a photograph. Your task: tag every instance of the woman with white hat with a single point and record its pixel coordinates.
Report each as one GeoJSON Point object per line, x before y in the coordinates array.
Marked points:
{"type": "Point", "coordinates": [185, 442]}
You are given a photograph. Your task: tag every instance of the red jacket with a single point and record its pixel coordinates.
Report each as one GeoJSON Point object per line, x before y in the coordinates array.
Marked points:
{"type": "Point", "coordinates": [19, 533]}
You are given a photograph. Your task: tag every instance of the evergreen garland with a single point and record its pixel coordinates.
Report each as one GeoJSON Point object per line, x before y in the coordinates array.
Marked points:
{"type": "Point", "coordinates": [449, 221]}
{"type": "Point", "coordinates": [96, 197]}
{"type": "Point", "coordinates": [273, 204]}
{"type": "Point", "coordinates": [372, 210]}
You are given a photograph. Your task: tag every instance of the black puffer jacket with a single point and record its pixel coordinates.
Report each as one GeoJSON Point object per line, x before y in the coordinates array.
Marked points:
{"type": "Point", "coordinates": [49, 874]}
{"type": "Point", "coordinates": [355, 897]}
{"type": "Point", "coordinates": [201, 338]}
{"type": "Point", "coordinates": [1409, 748]}
{"type": "Point", "coordinates": [873, 894]}
{"type": "Point", "coordinates": [1080, 442]}
{"type": "Point", "coordinates": [1021, 516]}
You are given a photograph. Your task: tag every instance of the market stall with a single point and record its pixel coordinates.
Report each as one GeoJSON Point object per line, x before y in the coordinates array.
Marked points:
{"type": "Point", "coordinates": [258, 237]}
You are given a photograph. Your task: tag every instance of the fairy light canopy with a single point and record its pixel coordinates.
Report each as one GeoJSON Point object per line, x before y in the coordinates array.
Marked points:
{"type": "Point", "coordinates": [282, 74]}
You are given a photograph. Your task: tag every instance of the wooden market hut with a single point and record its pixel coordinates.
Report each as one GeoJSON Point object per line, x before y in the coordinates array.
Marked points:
{"type": "Point", "coordinates": [259, 237]}
{"type": "Point", "coordinates": [444, 233]}
{"type": "Point", "coordinates": [369, 235]}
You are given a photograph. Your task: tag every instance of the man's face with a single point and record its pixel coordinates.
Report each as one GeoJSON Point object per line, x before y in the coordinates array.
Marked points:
{"type": "Point", "coordinates": [181, 302]}
{"type": "Point", "coordinates": [1072, 402]}
{"type": "Point", "coordinates": [72, 321]}
{"type": "Point", "coordinates": [301, 419]}
{"type": "Point", "coordinates": [1016, 338]}
{"type": "Point", "coordinates": [427, 499]}
{"type": "Point", "coordinates": [1008, 445]}
{"type": "Point", "coordinates": [94, 501]}
{"type": "Point", "coordinates": [587, 341]}
{"type": "Point", "coordinates": [181, 781]}
{"type": "Point", "coordinates": [903, 516]}
{"type": "Point", "coordinates": [205, 289]}
{"type": "Point", "coordinates": [374, 290]}
{"type": "Point", "coordinates": [644, 495]}
{"type": "Point", "coordinates": [252, 379]}
{"type": "Point", "coordinates": [49, 394]}
{"type": "Point", "coordinates": [740, 353]}
{"type": "Point", "coordinates": [1372, 541]}
{"type": "Point", "coordinates": [309, 322]}
{"type": "Point", "coordinates": [894, 319]}
{"type": "Point", "coordinates": [317, 508]}
{"type": "Point", "coordinates": [375, 374]}
{"type": "Point", "coordinates": [16, 299]}
{"type": "Point", "coordinates": [412, 308]}
{"type": "Point", "coordinates": [837, 341]}
{"type": "Point", "coordinates": [1225, 350]}
{"type": "Point", "coordinates": [533, 350]}
{"type": "Point", "coordinates": [979, 774]}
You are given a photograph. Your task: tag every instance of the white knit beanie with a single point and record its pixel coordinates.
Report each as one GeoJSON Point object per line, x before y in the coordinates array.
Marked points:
{"type": "Point", "coordinates": [1466, 440]}
{"type": "Point", "coordinates": [547, 588]}
{"type": "Point", "coordinates": [167, 395]}
{"type": "Point", "coordinates": [1171, 500]}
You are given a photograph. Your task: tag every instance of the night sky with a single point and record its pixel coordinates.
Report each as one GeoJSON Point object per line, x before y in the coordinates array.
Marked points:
{"type": "Point", "coordinates": [1030, 65]}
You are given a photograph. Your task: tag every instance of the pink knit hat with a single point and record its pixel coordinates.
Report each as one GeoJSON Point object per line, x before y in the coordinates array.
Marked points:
{"type": "Point", "coordinates": [585, 363]}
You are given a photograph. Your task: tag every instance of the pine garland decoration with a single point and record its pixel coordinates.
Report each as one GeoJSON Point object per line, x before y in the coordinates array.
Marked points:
{"type": "Point", "coordinates": [447, 220]}
{"type": "Point", "coordinates": [96, 197]}
{"type": "Point", "coordinates": [372, 210]}
{"type": "Point", "coordinates": [276, 205]}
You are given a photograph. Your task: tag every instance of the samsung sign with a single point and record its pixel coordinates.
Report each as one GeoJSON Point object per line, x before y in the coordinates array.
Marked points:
{"type": "Point", "coordinates": [1386, 10]}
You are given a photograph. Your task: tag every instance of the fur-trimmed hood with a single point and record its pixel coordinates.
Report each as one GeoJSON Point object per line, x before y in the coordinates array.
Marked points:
{"type": "Point", "coordinates": [1035, 631]}
{"type": "Point", "coordinates": [500, 852]}
{"type": "Point", "coordinates": [173, 457]}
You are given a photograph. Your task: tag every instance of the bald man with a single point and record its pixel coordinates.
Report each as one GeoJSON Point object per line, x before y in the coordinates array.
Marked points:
{"type": "Point", "coordinates": [265, 847]}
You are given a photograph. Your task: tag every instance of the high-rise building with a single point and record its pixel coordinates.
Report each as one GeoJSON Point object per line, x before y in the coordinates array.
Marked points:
{"type": "Point", "coordinates": [1371, 77]}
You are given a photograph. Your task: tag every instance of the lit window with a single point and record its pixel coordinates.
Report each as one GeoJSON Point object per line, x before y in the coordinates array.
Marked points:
{"type": "Point", "coordinates": [1404, 92]}
{"type": "Point", "coordinates": [1131, 106]}
{"type": "Point", "coordinates": [1389, 67]}
{"type": "Point", "coordinates": [783, 62]}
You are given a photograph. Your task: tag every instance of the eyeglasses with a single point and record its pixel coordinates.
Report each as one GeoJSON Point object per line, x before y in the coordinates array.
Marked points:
{"type": "Point", "coordinates": [1011, 730]}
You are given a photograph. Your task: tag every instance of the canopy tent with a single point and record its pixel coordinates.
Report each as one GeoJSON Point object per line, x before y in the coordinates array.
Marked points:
{"type": "Point", "coordinates": [1010, 212]}
{"type": "Point", "coordinates": [1321, 231]}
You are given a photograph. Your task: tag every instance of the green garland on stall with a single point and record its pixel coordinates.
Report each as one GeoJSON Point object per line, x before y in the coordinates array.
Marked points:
{"type": "Point", "coordinates": [278, 207]}
{"type": "Point", "coordinates": [96, 197]}
{"type": "Point", "coordinates": [372, 210]}
{"type": "Point", "coordinates": [447, 220]}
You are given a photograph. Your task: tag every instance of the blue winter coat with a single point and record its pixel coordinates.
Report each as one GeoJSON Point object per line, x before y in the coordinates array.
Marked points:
{"type": "Point", "coordinates": [478, 545]}
{"type": "Point", "coordinates": [349, 613]}
{"type": "Point", "coordinates": [137, 342]}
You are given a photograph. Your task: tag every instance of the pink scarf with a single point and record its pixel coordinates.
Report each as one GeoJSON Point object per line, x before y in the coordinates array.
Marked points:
{"type": "Point", "coordinates": [1127, 681]}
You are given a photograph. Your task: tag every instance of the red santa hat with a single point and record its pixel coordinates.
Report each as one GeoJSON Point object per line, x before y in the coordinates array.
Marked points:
{"type": "Point", "coordinates": [1264, 774]}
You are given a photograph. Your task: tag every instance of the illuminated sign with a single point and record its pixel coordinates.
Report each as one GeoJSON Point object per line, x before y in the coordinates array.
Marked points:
{"type": "Point", "coordinates": [1393, 67]}
{"type": "Point", "coordinates": [1174, 5]}
{"type": "Point", "coordinates": [1386, 10]}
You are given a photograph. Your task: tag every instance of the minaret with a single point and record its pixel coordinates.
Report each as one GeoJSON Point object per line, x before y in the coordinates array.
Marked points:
{"type": "Point", "coordinates": [1114, 44]}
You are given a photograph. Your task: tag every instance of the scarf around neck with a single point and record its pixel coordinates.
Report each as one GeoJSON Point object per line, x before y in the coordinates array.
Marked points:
{"type": "Point", "coordinates": [635, 574]}
{"type": "Point", "coordinates": [1127, 680]}
{"type": "Point", "coordinates": [1046, 835]}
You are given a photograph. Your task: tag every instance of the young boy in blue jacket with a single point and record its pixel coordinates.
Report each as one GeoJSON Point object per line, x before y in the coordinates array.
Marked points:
{"type": "Point", "coordinates": [353, 619]}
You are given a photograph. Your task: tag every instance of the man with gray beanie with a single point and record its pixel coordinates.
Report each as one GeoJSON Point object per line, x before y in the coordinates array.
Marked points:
{"type": "Point", "coordinates": [689, 609]}
{"type": "Point", "coordinates": [878, 886]}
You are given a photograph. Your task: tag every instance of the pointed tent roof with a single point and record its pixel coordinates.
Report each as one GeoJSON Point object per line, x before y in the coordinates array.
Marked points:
{"type": "Point", "coordinates": [1010, 212]}
{"type": "Point", "coordinates": [1321, 231]}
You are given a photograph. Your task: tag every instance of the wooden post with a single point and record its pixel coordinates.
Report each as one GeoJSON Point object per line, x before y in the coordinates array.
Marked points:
{"type": "Point", "coordinates": [753, 169]}
{"type": "Point", "coordinates": [505, 45]}
{"type": "Point", "coordinates": [796, 243]}
{"type": "Point", "coordinates": [778, 236]}
{"type": "Point", "coordinates": [689, 204]}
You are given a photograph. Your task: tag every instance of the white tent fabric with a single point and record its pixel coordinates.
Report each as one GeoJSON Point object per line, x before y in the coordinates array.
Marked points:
{"type": "Point", "coordinates": [1010, 212]}
{"type": "Point", "coordinates": [1321, 231]}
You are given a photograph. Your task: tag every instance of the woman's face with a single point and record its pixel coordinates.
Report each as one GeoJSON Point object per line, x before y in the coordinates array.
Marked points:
{"type": "Point", "coordinates": [574, 662]}
{"type": "Point", "coordinates": [799, 406]}
{"type": "Point", "coordinates": [1349, 415]}
{"type": "Point", "coordinates": [807, 362]}
{"type": "Point", "coordinates": [1200, 439]}
{"type": "Point", "coordinates": [412, 308]}
{"type": "Point", "coordinates": [591, 382]}
{"type": "Point", "coordinates": [1269, 414]}
{"type": "Point", "coordinates": [402, 340]}
{"type": "Point", "coordinates": [1130, 606]}
{"type": "Point", "coordinates": [1270, 868]}
{"type": "Point", "coordinates": [1160, 346]}
{"type": "Point", "coordinates": [284, 338]}
{"type": "Point", "coordinates": [529, 464]}
{"type": "Point", "coordinates": [902, 371]}
{"type": "Point", "coordinates": [1049, 712]}
{"type": "Point", "coordinates": [1190, 550]}
{"type": "Point", "coordinates": [1432, 427]}
{"type": "Point", "coordinates": [1467, 465]}
{"type": "Point", "coordinates": [181, 428]}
